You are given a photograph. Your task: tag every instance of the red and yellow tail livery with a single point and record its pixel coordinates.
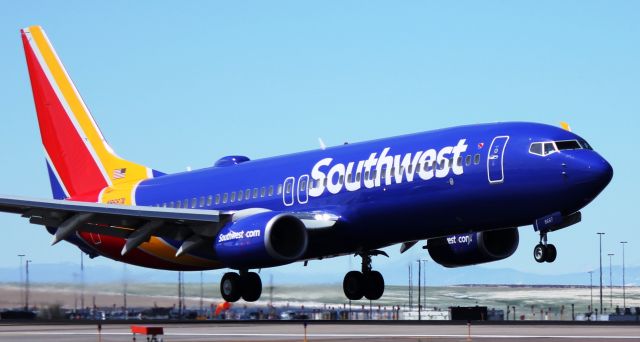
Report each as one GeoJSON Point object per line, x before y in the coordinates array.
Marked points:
{"type": "Point", "coordinates": [79, 158]}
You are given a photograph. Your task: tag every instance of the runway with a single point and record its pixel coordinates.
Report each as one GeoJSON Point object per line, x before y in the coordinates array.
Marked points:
{"type": "Point", "coordinates": [326, 332]}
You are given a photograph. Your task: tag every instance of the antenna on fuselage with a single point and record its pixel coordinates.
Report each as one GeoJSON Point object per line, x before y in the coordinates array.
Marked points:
{"type": "Point", "coordinates": [322, 144]}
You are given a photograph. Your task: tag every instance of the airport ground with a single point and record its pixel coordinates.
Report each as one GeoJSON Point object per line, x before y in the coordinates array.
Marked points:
{"type": "Point", "coordinates": [328, 332]}
{"type": "Point", "coordinates": [554, 301]}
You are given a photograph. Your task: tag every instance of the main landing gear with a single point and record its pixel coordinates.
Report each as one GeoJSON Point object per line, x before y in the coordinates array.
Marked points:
{"type": "Point", "coordinates": [543, 251]}
{"type": "Point", "coordinates": [246, 285]}
{"type": "Point", "coordinates": [368, 283]}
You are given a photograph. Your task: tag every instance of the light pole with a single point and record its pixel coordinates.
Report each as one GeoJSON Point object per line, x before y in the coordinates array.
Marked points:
{"type": "Point", "coordinates": [624, 296]}
{"type": "Point", "coordinates": [82, 281]}
{"type": "Point", "coordinates": [610, 283]}
{"type": "Point", "coordinates": [419, 297]}
{"type": "Point", "coordinates": [601, 271]}
{"type": "Point", "coordinates": [21, 279]}
{"type": "Point", "coordinates": [591, 288]}
{"type": "Point", "coordinates": [26, 296]}
{"type": "Point", "coordinates": [424, 283]}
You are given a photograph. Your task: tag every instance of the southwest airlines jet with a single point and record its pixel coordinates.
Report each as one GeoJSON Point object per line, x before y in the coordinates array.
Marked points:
{"type": "Point", "coordinates": [465, 190]}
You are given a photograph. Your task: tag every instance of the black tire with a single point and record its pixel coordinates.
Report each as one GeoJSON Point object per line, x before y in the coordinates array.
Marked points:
{"type": "Point", "coordinates": [540, 253]}
{"type": "Point", "coordinates": [353, 285]}
{"type": "Point", "coordinates": [230, 287]}
{"type": "Point", "coordinates": [552, 253]}
{"type": "Point", "coordinates": [374, 285]}
{"type": "Point", "coordinates": [251, 286]}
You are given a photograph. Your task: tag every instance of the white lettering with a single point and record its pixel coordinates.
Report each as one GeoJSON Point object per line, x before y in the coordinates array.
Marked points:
{"type": "Point", "coordinates": [319, 176]}
{"type": "Point", "coordinates": [334, 185]}
{"type": "Point", "coordinates": [371, 172]}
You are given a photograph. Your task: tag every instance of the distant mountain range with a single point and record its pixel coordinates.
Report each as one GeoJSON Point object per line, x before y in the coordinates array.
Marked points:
{"type": "Point", "coordinates": [436, 275]}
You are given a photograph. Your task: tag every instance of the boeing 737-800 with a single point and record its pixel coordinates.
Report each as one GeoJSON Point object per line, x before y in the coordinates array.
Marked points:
{"type": "Point", "coordinates": [465, 190]}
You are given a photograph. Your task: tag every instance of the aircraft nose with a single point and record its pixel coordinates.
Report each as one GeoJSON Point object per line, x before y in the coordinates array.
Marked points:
{"type": "Point", "coordinates": [595, 171]}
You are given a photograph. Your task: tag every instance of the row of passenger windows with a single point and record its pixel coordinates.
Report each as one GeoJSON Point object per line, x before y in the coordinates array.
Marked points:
{"type": "Point", "coordinates": [549, 147]}
{"type": "Point", "coordinates": [226, 197]}
{"type": "Point", "coordinates": [247, 194]}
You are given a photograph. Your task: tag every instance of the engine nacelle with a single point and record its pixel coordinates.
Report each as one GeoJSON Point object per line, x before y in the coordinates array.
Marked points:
{"type": "Point", "coordinates": [474, 248]}
{"type": "Point", "coordinates": [261, 240]}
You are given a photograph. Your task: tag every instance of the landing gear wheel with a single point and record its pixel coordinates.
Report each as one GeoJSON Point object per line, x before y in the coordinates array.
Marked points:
{"type": "Point", "coordinates": [353, 285]}
{"type": "Point", "coordinates": [230, 288]}
{"type": "Point", "coordinates": [552, 253]}
{"type": "Point", "coordinates": [540, 253]}
{"type": "Point", "coordinates": [374, 285]}
{"type": "Point", "coordinates": [251, 286]}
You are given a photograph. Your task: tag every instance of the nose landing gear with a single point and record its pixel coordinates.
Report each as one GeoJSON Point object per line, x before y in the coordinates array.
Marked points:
{"type": "Point", "coordinates": [367, 283]}
{"type": "Point", "coordinates": [543, 251]}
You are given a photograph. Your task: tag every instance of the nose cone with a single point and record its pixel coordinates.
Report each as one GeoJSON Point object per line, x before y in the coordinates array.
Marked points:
{"type": "Point", "coordinates": [593, 174]}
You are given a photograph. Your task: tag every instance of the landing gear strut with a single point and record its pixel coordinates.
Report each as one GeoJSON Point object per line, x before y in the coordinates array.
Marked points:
{"type": "Point", "coordinates": [543, 251]}
{"type": "Point", "coordinates": [246, 285]}
{"type": "Point", "coordinates": [367, 283]}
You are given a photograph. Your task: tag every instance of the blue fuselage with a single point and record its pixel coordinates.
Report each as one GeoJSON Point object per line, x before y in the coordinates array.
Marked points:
{"type": "Point", "coordinates": [413, 187]}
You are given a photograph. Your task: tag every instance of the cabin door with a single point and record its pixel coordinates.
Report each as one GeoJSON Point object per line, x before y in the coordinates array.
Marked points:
{"type": "Point", "coordinates": [495, 160]}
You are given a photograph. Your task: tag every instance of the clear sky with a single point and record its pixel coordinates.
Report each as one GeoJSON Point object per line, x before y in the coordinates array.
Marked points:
{"type": "Point", "coordinates": [178, 84]}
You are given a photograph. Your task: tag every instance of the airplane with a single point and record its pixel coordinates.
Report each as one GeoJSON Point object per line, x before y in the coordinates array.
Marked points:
{"type": "Point", "coordinates": [464, 190]}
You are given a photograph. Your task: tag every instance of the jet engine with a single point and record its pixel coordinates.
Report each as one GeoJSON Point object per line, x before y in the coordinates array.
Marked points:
{"type": "Point", "coordinates": [261, 240]}
{"type": "Point", "coordinates": [474, 248]}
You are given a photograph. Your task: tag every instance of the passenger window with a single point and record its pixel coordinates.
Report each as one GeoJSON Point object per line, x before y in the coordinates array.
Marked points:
{"type": "Point", "coordinates": [341, 180]}
{"type": "Point", "coordinates": [255, 192]}
{"type": "Point", "coordinates": [194, 202]}
{"type": "Point", "coordinates": [263, 191]}
{"type": "Point", "coordinates": [410, 169]}
{"type": "Point", "coordinates": [549, 148]}
{"type": "Point", "coordinates": [366, 175]}
{"type": "Point", "coordinates": [476, 159]}
{"type": "Point", "coordinates": [225, 197]}
{"type": "Point", "coordinates": [209, 200]}
{"type": "Point", "coordinates": [185, 204]}
{"type": "Point", "coordinates": [164, 205]}
{"type": "Point", "coordinates": [178, 204]}
{"type": "Point", "coordinates": [171, 204]}
{"type": "Point", "coordinates": [279, 189]}
{"type": "Point", "coordinates": [240, 194]}
{"type": "Point", "coordinates": [201, 201]}
{"type": "Point", "coordinates": [467, 160]}
{"type": "Point", "coordinates": [270, 190]}
{"type": "Point", "coordinates": [288, 189]}
{"type": "Point", "coordinates": [358, 177]}
{"type": "Point", "coordinates": [374, 173]}
{"type": "Point", "coordinates": [247, 194]}
{"type": "Point", "coordinates": [217, 198]}
{"type": "Point", "coordinates": [233, 197]}
{"type": "Point", "coordinates": [459, 162]}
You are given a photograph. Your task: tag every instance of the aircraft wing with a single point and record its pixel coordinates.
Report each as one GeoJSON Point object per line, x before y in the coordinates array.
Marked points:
{"type": "Point", "coordinates": [137, 224]}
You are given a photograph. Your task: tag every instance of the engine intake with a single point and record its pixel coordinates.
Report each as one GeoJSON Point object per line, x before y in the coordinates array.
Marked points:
{"type": "Point", "coordinates": [474, 248]}
{"type": "Point", "coordinates": [261, 240]}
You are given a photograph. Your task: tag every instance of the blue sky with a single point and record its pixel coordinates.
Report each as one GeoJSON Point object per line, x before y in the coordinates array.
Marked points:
{"type": "Point", "coordinates": [178, 84]}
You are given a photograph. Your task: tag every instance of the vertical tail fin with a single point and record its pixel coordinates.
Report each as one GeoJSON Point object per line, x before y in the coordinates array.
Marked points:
{"type": "Point", "coordinates": [80, 161]}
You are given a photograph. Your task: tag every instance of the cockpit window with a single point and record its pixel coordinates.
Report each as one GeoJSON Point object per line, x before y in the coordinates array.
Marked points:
{"type": "Point", "coordinates": [549, 147]}
{"type": "Point", "coordinates": [585, 145]}
{"type": "Point", "coordinates": [568, 145]}
{"type": "Point", "coordinates": [536, 148]}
